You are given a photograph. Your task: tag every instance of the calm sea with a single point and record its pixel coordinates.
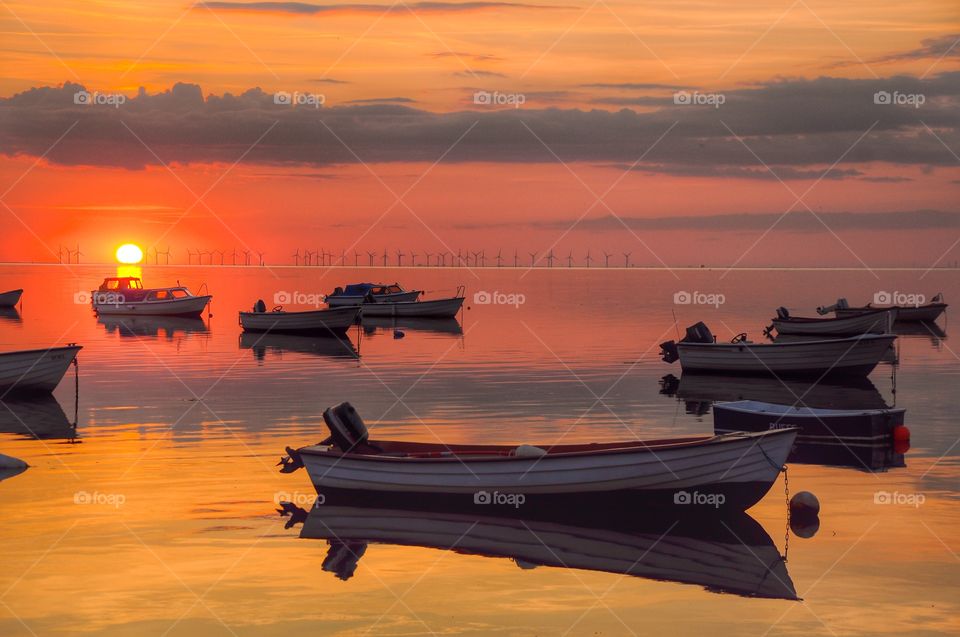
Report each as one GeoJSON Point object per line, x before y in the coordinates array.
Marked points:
{"type": "Point", "coordinates": [157, 513]}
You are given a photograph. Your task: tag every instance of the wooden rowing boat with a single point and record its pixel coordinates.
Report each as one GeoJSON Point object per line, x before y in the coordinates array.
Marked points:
{"type": "Point", "coordinates": [686, 475]}
{"type": "Point", "coordinates": [35, 370]}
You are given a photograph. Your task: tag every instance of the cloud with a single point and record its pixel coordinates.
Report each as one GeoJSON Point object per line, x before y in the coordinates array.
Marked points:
{"type": "Point", "coordinates": [329, 80]}
{"type": "Point", "coordinates": [306, 8]}
{"type": "Point", "coordinates": [633, 86]}
{"type": "Point", "coordinates": [797, 221]}
{"type": "Point", "coordinates": [477, 73]}
{"type": "Point", "coordinates": [383, 100]}
{"type": "Point", "coordinates": [773, 173]}
{"type": "Point", "coordinates": [795, 124]}
{"type": "Point", "coordinates": [477, 57]}
{"type": "Point", "coordinates": [939, 47]}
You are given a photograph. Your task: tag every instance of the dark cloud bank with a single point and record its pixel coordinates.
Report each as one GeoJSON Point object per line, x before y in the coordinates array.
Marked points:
{"type": "Point", "coordinates": [793, 125]}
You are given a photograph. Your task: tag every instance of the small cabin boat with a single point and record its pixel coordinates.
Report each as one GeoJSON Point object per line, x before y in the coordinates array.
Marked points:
{"type": "Point", "coordinates": [689, 476]}
{"type": "Point", "coordinates": [434, 308]}
{"type": "Point", "coordinates": [127, 296]}
{"type": "Point", "coordinates": [359, 293]}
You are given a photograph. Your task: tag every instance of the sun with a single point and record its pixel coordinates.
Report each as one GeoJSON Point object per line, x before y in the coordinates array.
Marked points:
{"type": "Point", "coordinates": [129, 253]}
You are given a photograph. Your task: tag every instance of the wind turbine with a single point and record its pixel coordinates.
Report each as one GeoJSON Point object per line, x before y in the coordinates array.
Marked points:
{"type": "Point", "coordinates": [296, 257]}
{"type": "Point", "coordinates": [400, 256]}
{"type": "Point", "coordinates": [260, 254]}
{"type": "Point", "coordinates": [550, 259]}
{"type": "Point", "coordinates": [499, 258]}
{"type": "Point", "coordinates": [483, 258]}
{"type": "Point", "coordinates": [516, 257]}
{"type": "Point", "coordinates": [459, 257]}
{"type": "Point", "coordinates": [606, 258]}
{"type": "Point", "coordinates": [372, 256]}
{"type": "Point", "coordinates": [413, 258]}
{"type": "Point", "coordinates": [307, 256]}
{"type": "Point", "coordinates": [570, 259]}
{"type": "Point", "coordinates": [221, 253]}
{"type": "Point", "coordinates": [356, 259]}
{"type": "Point", "coordinates": [59, 253]}
{"type": "Point", "coordinates": [233, 257]}
{"type": "Point", "coordinates": [428, 255]}
{"type": "Point", "coordinates": [476, 260]}
{"type": "Point", "coordinates": [385, 257]}
{"type": "Point", "coordinates": [246, 257]}
{"type": "Point", "coordinates": [626, 259]}
{"type": "Point", "coordinates": [442, 257]}
{"type": "Point", "coordinates": [79, 254]}
{"type": "Point", "coordinates": [588, 258]}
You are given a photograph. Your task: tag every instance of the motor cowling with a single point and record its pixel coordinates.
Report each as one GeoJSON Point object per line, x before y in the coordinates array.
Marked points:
{"type": "Point", "coordinates": [669, 352]}
{"type": "Point", "coordinates": [347, 429]}
{"type": "Point", "coordinates": [783, 313]}
{"type": "Point", "coordinates": [260, 306]}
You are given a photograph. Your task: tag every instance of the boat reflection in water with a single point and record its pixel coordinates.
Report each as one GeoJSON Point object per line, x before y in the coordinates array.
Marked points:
{"type": "Point", "coordinates": [171, 326]}
{"type": "Point", "coordinates": [700, 391]}
{"type": "Point", "coordinates": [278, 344]}
{"type": "Point", "coordinates": [37, 417]}
{"type": "Point", "coordinates": [10, 314]}
{"type": "Point", "coordinates": [373, 324]}
{"type": "Point", "coordinates": [730, 554]}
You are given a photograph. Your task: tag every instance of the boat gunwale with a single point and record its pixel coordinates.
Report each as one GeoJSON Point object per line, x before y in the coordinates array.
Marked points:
{"type": "Point", "coordinates": [813, 412]}
{"type": "Point", "coordinates": [43, 349]}
{"type": "Point", "coordinates": [824, 320]}
{"type": "Point", "coordinates": [577, 451]}
{"type": "Point", "coordinates": [846, 339]}
{"type": "Point", "coordinates": [322, 310]}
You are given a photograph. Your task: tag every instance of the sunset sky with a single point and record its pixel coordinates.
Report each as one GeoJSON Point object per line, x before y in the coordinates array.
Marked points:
{"type": "Point", "coordinates": [580, 137]}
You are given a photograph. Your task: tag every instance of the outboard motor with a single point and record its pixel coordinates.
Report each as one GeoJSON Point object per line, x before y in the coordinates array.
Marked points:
{"type": "Point", "coordinates": [841, 304]}
{"type": "Point", "coordinates": [347, 430]}
{"type": "Point", "coordinates": [783, 313]}
{"type": "Point", "coordinates": [338, 291]}
{"type": "Point", "coordinates": [260, 307]}
{"type": "Point", "coordinates": [669, 352]}
{"type": "Point", "coordinates": [699, 333]}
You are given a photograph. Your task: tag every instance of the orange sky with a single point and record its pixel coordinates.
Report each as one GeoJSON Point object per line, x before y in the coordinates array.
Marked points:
{"type": "Point", "coordinates": [430, 59]}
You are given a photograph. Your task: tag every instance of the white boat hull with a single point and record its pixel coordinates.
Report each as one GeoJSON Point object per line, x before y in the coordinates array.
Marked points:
{"type": "Point", "coordinates": [11, 298]}
{"type": "Point", "coordinates": [741, 467]}
{"type": "Point", "coordinates": [902, 313]}
{"type": "Point", "coordinates": [438, 308]}
{"type": "Point", "coordinates": [333, 320]}
{"type": "Point", "coordinates": [400, 297]}
{"type": "Point", "coordinates": [190, 306]}
{"type": "Point", "coordinates": [866, 323]}
{"type": "Point", "coordinates": [855, 356]}
{"type": "Point", "coordinates": [35, 371]}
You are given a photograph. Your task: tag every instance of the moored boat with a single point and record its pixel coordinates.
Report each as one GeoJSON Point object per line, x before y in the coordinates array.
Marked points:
{"type": "Point", "coordinates": [35, 370]}
{"type": "Point", "coordinates": [920, 313]}
{"type": "Point", "coordinates": [733, 555]}
{"type": "Point", "coordinates": [10, 298]}
{"type": "Point", "coordinates": [127, 296]}
{"type": "Point", "coordinates": [321, 321]}
{"type": "Point", "coordinates": [434, 308]}
{"type": "Point", "coordinates": [697, 475]}
{"type": "Point", "coordinates": [699, 352]}
{"type": "Point", "coordinates": [863, 438]}
{"type": "Point", "coordinates": [359, 293]}
{"type": "Point", "coordinates": [873, 322]}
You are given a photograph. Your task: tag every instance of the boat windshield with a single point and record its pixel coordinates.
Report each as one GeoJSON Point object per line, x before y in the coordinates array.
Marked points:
{"type": "Point", "coordinates": [393, 289]}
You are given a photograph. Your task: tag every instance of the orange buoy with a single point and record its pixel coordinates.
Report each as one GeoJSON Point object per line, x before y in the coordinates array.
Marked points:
{"type": "Point", "coordinates": [901, 439]}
